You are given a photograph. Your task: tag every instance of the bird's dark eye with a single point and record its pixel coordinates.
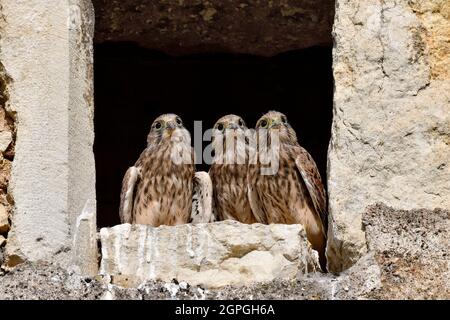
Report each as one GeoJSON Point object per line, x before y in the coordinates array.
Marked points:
{"type": "Point", "coordinates": [283, 119]}
{"type": "Point", "coordinates": [241, 123]}
{"type": "Point", "coordinates": [158, 125]}
{"type": "Point", "coordinates": [220, 127]}
{"type": "Point", "coordinates": [179, 122]}
{"type": "Point", "coordinates": [263, 123]}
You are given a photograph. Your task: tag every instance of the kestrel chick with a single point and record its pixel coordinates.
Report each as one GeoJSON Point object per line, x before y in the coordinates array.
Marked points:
{"type": "Point", "coordinates": [295, 193]}
{"type": "Point", "coordinates": [229, 170]}
{"type": "Point", "coordinates": [158, 189]}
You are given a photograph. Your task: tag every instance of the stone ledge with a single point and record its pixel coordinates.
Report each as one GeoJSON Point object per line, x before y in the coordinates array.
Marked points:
{"type": "Point", "coordinates": [407, 259]}
{"type": "Point", "coordinates": [212, 255]}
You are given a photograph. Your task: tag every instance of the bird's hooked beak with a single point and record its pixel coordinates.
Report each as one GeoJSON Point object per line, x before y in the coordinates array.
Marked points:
{"type": "Point", "coordinates": [171, 125]}
{"type": "Point", "coordinates": [171, 128]}
{"type": "Point", "coordinates": [232, 126]}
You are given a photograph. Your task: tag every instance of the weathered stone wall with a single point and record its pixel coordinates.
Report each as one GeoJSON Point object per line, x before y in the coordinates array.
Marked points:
{"type": "Point", "coordinates": [7, 143]}
{"type": "Point", "coordinates": [391, 127]}
{"type": "Point", "coordinates": [46, 51]}
{"type": "Point", "coordinates": [197, 26]}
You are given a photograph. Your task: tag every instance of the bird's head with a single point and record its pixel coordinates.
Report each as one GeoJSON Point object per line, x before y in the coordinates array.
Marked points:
{"type": "Point", "coordinates": [165, 128]}
{"type": "Point", "coordinates": [229, 127]}
{"type": "Point", "coordinates": [229, 122]}
{"type": "Point", "coordinates": [276, 122]}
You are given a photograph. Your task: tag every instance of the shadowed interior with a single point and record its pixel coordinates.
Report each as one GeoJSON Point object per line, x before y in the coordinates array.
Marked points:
{"type": "Point", "coordinates": [134, 85]}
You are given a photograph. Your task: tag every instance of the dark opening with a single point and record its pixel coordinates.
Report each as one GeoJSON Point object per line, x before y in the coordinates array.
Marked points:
{"type": "Point", "coordinates": [134, 85]}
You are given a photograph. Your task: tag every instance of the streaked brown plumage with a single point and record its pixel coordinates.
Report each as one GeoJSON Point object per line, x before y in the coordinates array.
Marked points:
{"type": "Point", "coordinates": [158, 190]}
{"type": "Point", "coordinates": [295, 193]}
{"type": "Point", "coordinates": [229, 170]}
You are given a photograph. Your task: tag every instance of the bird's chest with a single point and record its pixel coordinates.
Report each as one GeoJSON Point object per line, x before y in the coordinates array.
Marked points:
{"type": "Point", "coordinates": [230, 181]}
{"type": "Point", "coordinates": [230, 192]}
{"type": "Point", "coordinates": [281, 187]}
{"type": "Point", "coordinates": [162, 179]}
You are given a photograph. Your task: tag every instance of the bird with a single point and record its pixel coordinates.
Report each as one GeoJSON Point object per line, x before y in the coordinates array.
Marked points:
{"type": "Point", "coordinates": [293, 194]}
{"type": "Point", "coordinates": [228, 170]}
{"type": "Point", "coordinates": [202, 201]}
{"type": "Point", "coordinates": [159, 188]}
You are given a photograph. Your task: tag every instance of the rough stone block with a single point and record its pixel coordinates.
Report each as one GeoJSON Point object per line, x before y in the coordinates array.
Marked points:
{"type": "Point", "coordinates": [212, 255]}
{"type": "Point", "coordinates": [4, 222]}
{"type": "Point", "coordinates": [263, 28]}
{"type": "Point", "coordinates": [49, 67]}
{"type": "Point", "coordinates": [5, 140]}
{"type": "Point", "coordinates": [84, 247]}
{"type": "Point", "coordinates": [391, 133]}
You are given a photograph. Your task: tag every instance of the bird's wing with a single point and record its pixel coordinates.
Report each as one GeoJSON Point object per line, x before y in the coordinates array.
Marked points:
{"type": "Point", "coordinates": [255, 201]}
{"type": "Point", "coordinates": [311, 177]}
{"type": "Point", "coordinates": [129, 182]}
{"type": "Point", "coordinates": [202, 199]}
